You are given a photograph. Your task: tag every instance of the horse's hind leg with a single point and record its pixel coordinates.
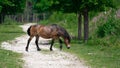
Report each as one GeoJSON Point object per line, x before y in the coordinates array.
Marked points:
{"type": "Point", "coordinates": [51, 45]}
{"type": "Point", "coordinates": [60, 41]}
{"type": "Point", "coordinates": [28, 42]}
{"type": "Point", "coordinates": [36, 42]}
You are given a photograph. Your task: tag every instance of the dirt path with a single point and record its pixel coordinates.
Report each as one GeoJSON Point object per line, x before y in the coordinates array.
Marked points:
{"type": "Point", "coordinates": [43, 58]}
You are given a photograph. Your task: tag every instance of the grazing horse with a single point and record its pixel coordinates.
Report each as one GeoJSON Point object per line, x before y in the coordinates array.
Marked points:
{"type": "Point", "coordinates": [51, 31]}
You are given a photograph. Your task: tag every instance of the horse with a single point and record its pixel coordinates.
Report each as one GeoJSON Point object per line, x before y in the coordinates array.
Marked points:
{"type": "Point", "coordinates": [53, 31]}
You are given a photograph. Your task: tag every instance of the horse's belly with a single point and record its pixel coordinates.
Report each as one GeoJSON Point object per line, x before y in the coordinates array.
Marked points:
{"type": "Point", "coordinates": [45, 36]}
{"type": "Point", "coordinates": [48, 36]}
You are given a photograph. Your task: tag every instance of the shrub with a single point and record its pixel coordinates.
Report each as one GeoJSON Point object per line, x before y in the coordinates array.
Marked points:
{"type": "Point", "coordinates": [9, 21]}
{"type": "Point", "coordinates": [110, 27]}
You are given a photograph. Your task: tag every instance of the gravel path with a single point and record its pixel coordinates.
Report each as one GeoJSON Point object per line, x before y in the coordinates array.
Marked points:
{"type": "Point", "coordinates": [43, 58]}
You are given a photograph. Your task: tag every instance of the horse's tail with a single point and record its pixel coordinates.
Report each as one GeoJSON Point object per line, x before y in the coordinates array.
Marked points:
{"type": "Point", "coordinates": [28, 31]}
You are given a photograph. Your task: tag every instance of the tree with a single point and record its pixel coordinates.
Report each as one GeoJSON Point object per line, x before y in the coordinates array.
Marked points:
{"type": "Point", "coordinates": [81, 7]}
{"type": "Point", "coordinates": [10, 7]}
{"type": "Point", "coordinates": [93, 5]}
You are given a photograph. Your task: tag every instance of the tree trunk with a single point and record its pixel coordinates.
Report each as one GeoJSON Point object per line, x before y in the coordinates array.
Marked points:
{"type": "Point", "coordinates": [2, 17]}
{"type": "Point", "coordinates": [86, 25]}
{"type": "Point", "coordinates": [79, 26]}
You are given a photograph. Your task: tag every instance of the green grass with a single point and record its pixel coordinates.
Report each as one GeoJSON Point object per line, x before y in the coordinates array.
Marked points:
{"type": "Point", "coordinates": [9, 32]}
{"type": "Point", "coordinates": [96, 56]}
{"type": "Point", "coordinates": [9, 59]}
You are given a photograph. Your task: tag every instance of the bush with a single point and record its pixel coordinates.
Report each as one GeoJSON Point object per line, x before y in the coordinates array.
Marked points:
{"type": "Point", "coordinates": [110, 27]}
{"type": "Point", "coordinates": [9, 21]}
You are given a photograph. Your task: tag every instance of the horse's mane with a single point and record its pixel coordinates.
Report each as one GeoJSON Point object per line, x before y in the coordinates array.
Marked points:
{"type": "Point", "coordinates": [62, 32]}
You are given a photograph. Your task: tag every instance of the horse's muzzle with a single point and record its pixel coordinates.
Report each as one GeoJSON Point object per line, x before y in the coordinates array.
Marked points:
{"type": "Point", "coordinates": [68, 47]}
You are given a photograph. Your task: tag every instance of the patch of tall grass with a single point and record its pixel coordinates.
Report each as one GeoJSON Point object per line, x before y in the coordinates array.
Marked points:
{"type": "Point", "coordinates": [8, 59]}
{"type": "Point", "coordinates": [107, 31]}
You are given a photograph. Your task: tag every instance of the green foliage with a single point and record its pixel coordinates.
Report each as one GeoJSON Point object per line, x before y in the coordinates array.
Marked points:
{"type": "Point", "coordinates": [9, 21]}
{"type": "Point", "coordinates": [116, 3]}
{"type": "Point", "coordinates": [0, 8]}
{"type": "Point", "coordinates": [58, 16]}
{"type": "Point", "coordinates": [105, 32]}
{"type": "Point", "coordinates": [42, 5]}
{"type": "Point", "coordinates": [75, 6]}
{"type": "Point", "coordinates": [72, 6]}
{"type": "Point", "coordinates": [12, 6]}
{"type": "Point", "coordinates": [110, 27]}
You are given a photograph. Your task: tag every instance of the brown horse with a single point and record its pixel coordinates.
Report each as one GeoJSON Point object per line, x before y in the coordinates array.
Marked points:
{"type": "Point", "coordinates": [51, 31]}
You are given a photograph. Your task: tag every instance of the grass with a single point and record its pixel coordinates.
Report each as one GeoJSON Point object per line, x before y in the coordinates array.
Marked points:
{"type": "Point", "coordinates": [96, 56]}
{"type": "Point", "coordinates": [9, 32]}
{"type": "Point", "coordinates": [9, 59]}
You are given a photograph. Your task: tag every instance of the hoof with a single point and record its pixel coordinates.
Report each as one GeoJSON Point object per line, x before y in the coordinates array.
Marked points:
{"type": "Point", "coordinates": [26, 49]}
{"type": "Point", "coordinates": [60, 49]}
{"type": "Point", "coordinates": [68, 47]}
{"type": "Point", "coordinates": [51, 49]}
{"type": "Point", "coordinates": [39, 49]}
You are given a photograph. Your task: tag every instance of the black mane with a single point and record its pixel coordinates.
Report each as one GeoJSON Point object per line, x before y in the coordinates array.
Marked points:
{"type": "Point", "coordinates": [62, 32]}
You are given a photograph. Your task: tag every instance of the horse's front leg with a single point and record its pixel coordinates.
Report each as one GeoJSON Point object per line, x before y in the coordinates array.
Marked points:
{"type": "Point", "coordinates": [36, 42]}
{"type": "Point", "coordinates": [60, 41]}
{"type": "Point", "coordinates": [28, 43]}
{"type": "Point", "coordinates": [51, 45]}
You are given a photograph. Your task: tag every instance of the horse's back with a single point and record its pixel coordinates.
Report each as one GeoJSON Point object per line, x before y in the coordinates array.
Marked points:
{"type": "Point", "coordinates": [49, 31]}
{"type": "Point", "coordinates": [33, 30]}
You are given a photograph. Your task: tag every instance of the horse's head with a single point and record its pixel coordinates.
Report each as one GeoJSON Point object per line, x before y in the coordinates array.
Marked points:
{"type": "Point", "coordinates": [67, 42]}
{"type": "Point", "coordinates": [64, 34]}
